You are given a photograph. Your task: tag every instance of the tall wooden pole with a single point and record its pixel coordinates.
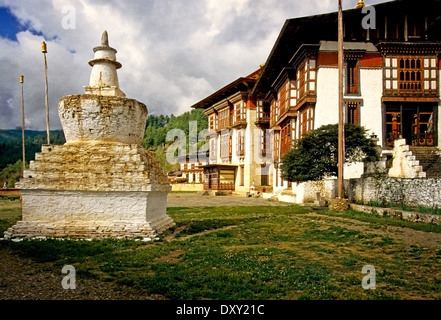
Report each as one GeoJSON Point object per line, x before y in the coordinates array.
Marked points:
{"type": "Point", "coordinates": [44, 50]}
{"type": "Point", "coordinates": [341, 120]}
{"type": "Point", "coordinates": [23, 124]}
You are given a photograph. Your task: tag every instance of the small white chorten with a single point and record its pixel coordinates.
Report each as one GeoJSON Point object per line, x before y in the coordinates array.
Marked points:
{"type": "Point", "coordinates": [104, 78]}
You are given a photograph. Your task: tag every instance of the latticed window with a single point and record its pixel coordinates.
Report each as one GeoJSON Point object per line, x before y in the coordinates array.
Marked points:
{"type": "Point", "coordinates": [352, 77]}
{"type": "Point", "coordinates": [285, 139]}
{"type": "Point", "coordinates": [283, 98]}
{"type": "Point", "coordinates": [306, 121]}
{"type": "Point", "coordinates": [411, 75]}
{"type": "Point", "coordinates": [301, 85]}
{"type": "Point", "coordinates": [263, 111]}
{"type": "Point", "coordinates": [213, 149]}
{"type": "Point", "coordinates": [212, 122]}
{"type": "Point", "coordinates": [240, 112]}
{"type": "Point", "coordinates": [274, 113]}
{"type": "Point", "coordinates": [226, 147]}
{"type": "Point", "coordinates": [276, 145]}
{"type": "Point", "coordinates": [353, 112]}
{"type": "Point", "coordinates": [411, 72]}
{"type": "Point", "coordinates": [224, 118]}
{"type": "Point", "coordinates": [240, 143]}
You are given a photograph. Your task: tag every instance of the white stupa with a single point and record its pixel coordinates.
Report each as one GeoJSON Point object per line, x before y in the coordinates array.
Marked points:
{"type": "Point", "coordinates": [101, 183]}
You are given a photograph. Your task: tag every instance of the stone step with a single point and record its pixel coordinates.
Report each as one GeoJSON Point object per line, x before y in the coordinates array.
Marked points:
{"type": "Point", "coordinates": [429, 158]}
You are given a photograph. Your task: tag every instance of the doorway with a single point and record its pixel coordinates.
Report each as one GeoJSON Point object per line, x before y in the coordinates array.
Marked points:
{"type": "Point", "coordinates": [415, 122]}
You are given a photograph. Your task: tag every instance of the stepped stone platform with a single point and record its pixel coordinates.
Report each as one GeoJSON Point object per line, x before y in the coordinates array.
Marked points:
{"type": "Point", "coordinates": [93, 191]}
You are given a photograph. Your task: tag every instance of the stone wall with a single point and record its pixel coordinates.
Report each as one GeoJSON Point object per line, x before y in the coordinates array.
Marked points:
{"type": "Point", "coordinates": [307, 191]}
{"type": "Point", "coordinates": [413, 192]}
{"type": "Point", "coordinates": [187, 187]}
{"type": "Point", "coordinates": [399, 214]}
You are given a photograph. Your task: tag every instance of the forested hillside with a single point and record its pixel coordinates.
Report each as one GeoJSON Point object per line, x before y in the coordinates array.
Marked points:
{"type": "Point", "coordinates": [11, 149]}
{"type": "Point", "coordinates": [11, 153]}
{"type": "Point", "coordinates": [6, 135]}
{"type": "Point", "coordinates": [158, 126]}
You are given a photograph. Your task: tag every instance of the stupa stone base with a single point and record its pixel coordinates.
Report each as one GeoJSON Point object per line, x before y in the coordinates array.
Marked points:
{"type": "Point", "coordinates": [75, 230]}
{"type": "Point", "coordinates": [85, 214]}
{"type": "Point", "coordinates": [93, 190]}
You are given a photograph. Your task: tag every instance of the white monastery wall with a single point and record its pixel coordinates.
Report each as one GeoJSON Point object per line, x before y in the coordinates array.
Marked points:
{"type": "Point", "coordinates": [326, 108]}
{"type": "Point", "coordinates": [371, 88]}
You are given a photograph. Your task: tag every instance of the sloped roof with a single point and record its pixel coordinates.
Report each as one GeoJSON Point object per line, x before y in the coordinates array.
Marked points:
{"type": "Point", "coordinates": [241, 84]}
{"type": "Point", "coordinates": [324, 27]}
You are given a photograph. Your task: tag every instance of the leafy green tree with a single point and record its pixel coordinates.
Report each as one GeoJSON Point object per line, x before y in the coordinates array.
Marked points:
{"type": "Point", "coordinates": [315, 156]}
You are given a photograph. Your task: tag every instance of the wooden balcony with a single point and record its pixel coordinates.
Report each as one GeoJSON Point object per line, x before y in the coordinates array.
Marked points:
{"type": "Point", "coordinates": [263, 119]}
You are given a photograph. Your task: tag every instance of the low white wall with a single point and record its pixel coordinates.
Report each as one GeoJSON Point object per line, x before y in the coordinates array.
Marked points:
{"type": "Point", "coordinates": [187, 187]}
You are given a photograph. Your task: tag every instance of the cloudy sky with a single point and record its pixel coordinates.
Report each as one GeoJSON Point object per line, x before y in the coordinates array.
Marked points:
{"type": "Point", "coordinates": [174, 52]}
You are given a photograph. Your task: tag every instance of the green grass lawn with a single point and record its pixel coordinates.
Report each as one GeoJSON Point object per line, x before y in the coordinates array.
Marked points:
{"type": "Point", "coordinates": [256, 253]}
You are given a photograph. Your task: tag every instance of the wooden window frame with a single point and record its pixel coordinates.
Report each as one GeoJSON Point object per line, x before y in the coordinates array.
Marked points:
{"type": "Point", "coordinates": [352, 77]}
{"type": "Point", "coordinates": [306, 121]}
{"type": "Point", "coordinates": [285, 139]}
{"type": "Point", "coordinates": [213, 149]}
{"type": "Point", "coordinates": [301, 81]}
{"type": "Point", "coordinates": [353, 112]}
{"type": "Point", "coordinates": [411, 75]}
{"type": "Point", "coordinates": [276, 145]}
{"type": "Point", "coordinates": [240, 143]}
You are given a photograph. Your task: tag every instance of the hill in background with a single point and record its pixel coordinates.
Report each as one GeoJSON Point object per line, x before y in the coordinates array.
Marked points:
{"type": "Point", "coordinates": [7, 135]}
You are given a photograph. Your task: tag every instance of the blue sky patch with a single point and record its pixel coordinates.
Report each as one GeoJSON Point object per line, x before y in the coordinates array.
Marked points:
{"type": "Point", "coordinates": [9, 25]}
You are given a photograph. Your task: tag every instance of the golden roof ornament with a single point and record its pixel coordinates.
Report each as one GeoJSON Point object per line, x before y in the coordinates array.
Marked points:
{"type": "Point", "coordinates": [360, 4]}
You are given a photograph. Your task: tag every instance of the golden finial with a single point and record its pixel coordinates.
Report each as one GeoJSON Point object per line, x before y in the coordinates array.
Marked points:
{"type": "Point", "coordinates": [360, 4]}
{"type": "Point", "coordinates": [43, 47]}
{"type": "Point", "coordinates": [21, 79]}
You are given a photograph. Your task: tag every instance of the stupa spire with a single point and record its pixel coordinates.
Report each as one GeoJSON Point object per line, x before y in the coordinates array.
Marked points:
{"type": "Point", "coordinates": [105, 39]}
{"type": "Point", "coordinates": [104, 78]}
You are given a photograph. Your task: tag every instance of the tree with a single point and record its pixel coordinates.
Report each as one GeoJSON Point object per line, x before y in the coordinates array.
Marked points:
{"type": "Point", "coordinates": [315, 156]}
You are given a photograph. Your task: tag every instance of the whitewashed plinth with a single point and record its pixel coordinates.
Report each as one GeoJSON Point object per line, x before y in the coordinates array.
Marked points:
{"type": "Point", "coordinates": [93, 190]}
{"type": "Point", "coordinates": [92, 215]}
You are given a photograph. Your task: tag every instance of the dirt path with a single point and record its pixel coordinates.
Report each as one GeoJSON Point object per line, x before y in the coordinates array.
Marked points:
{"type": "Point", "coordinates": [197, 200]}
{"type": "Point", "coordinates": [407, 235]}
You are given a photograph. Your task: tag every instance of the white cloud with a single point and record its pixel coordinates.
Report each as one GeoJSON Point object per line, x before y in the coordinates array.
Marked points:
{"type": "Point", "coordinates": [174, 52]}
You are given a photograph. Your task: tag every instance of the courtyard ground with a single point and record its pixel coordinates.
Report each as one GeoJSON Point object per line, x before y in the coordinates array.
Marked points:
{"type": "Point", "coordinates": [233, 248]}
